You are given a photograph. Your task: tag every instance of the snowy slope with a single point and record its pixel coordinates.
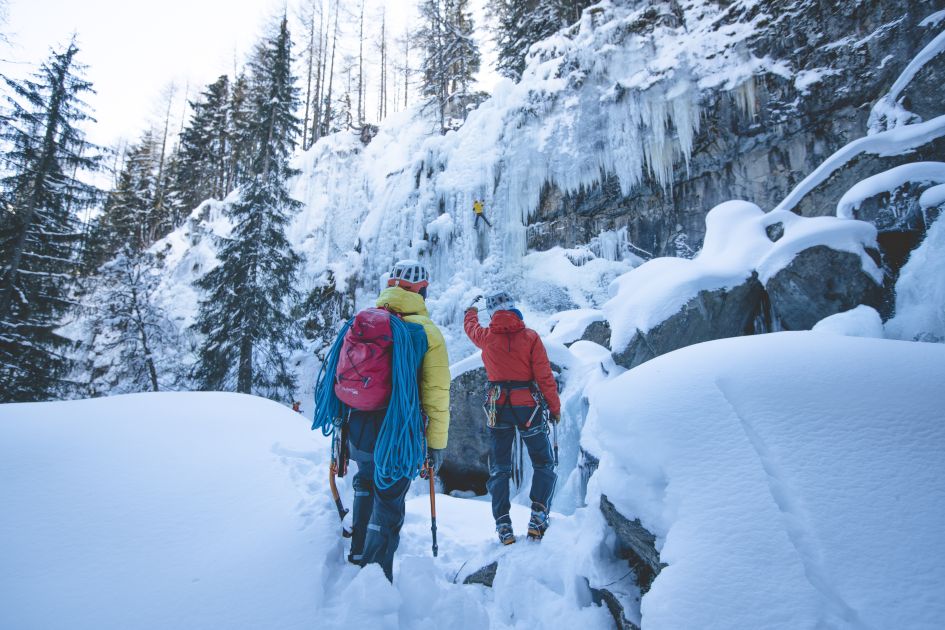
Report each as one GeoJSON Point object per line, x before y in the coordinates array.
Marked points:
{"type": "Point", "coordinates": [159, 511]}
{"type": "Point", "coordinates": [793, 480]}
{"type": "Point", "coordinates": [204, 510]}
{"type": "Point", "coordinates": [788, 484]}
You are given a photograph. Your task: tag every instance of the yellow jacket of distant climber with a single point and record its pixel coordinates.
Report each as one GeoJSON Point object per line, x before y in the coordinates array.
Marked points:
{"type": "Point", "coordinates": [477, 206]}
{"type": "Point", "coordinates": [435, 371]}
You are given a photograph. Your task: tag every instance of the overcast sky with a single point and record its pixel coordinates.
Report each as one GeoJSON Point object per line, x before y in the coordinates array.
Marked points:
{"type": "Point", "coordinates": [135, 49]}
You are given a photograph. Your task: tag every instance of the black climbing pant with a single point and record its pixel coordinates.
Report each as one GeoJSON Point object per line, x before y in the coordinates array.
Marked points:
{"type": "Point", "coordinates": [378, 514]}
{"type": "Point", "coordinates": [508, 421]}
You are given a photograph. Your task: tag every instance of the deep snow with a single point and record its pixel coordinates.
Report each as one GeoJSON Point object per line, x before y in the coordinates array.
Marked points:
{"type": "Point", "coordinates": [788, 483]}
{"type": "Point", "coordinates": [793, 480]}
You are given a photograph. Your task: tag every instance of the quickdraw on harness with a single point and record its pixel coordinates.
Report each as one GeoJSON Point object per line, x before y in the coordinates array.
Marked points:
{"type": "Point", "coordinates": [498, 388]}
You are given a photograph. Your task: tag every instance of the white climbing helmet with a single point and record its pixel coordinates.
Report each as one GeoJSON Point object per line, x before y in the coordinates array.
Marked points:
{"type": "Point", "coordinates": [409, 275]}
{"type": "Point", "coordinates": [499, 301]}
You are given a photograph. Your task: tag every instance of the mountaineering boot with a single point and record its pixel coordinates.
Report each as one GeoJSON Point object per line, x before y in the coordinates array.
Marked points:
{"type": "Point", "coordinates": [504, 529]}
{"type": "Point", "coordinates": [538, 523]}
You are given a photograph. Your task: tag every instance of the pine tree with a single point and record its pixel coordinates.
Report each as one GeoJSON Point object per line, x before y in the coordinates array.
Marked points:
{"type": "Point", "coordinates": [244, 318]}
{"type": "Point", "coordinates": [130, 327]}
{"type": "Point", "coordinates": [450, 55]}
{"type": "Point", "coordinates": [39, 197]}
{"type": "Point", "coordinates": [240, 134]}
{"type": "Point", "coordinates": [201, 162]}
{"type": "Point", "coordinates": [128, 218]}
{"type": "Point", "coordinates": [520, 23]}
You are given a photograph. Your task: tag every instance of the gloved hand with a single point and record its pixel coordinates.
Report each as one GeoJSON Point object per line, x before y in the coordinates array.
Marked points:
{"type": "Point", "coordinates": [435, 457]}
{"type": "Point", "coordinates": [472, 305]}
{"type": "Point", "coordinates": [556, 418]}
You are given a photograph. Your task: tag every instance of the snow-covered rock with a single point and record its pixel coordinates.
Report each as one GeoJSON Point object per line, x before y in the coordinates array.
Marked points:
{"type": "Point", "coordinates": [819, 282]}
{"type": "Point", "coordinates": [809, 267]}
{"type": "Point", "coordinates": [792, 480]}
{"type": "Point", "coordinates": [862, 321]}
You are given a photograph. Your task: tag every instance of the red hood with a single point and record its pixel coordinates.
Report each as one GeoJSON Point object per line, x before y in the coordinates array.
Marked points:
{"type": "Point", "coordinates": [506, 322]}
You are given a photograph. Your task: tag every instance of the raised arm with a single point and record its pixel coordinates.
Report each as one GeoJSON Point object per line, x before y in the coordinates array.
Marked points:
{"type": "Point", "coordinates": [475, 332]}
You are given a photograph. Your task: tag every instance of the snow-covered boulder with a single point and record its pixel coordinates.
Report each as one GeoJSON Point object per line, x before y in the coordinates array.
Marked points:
{"type": "Point", "coordinates": [809, 267]}
{"type": "Point", "coordinates": [820, 282]}
{"type": "Point", "coordinates": [792, 480]}
{"type": "Point", "coordinates": [709, 315]}
{"type": "Point", "coordinates": [634, 543]}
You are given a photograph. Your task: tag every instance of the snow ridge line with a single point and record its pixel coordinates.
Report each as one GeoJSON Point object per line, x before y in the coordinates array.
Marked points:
{"type": "Point", "coordinates": [889, 100]}
{"type": "Point", "coordinates": [895, 141]}
{"type": "Point", "coordinates": [796, 521]}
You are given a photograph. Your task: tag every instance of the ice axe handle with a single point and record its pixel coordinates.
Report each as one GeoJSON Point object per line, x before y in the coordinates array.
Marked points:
{"type": "Point", "coordinates": [342, 510]}
{"type": "Point", "coordinates": [430, 475]}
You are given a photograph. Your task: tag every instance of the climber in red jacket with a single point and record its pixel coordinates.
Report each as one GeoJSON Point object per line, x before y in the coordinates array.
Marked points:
{"type": "Point", "coordinates": [521, 388]}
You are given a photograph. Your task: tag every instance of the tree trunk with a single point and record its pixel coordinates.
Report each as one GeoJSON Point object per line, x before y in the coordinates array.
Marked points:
{"type": "Point", "coordinates": [331, 71]}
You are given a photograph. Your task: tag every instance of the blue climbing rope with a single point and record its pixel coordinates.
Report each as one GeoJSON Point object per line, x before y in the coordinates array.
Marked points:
{"type": "Point", "coordinates": [328, 409]}
{"type": "Point", "coordinates": [401, 444]}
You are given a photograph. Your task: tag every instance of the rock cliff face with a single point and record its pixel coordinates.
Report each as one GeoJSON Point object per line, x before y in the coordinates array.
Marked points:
{"type": "Point", "coordinates": [466, 461]}
{"type": "Point", "coordinates": [758, 142]}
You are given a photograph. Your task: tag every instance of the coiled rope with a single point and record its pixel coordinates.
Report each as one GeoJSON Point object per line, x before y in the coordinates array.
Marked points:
{"type": "Point", "coordinates": [401, 444]}
{"type": "Point", "coordinates": [329, 411]}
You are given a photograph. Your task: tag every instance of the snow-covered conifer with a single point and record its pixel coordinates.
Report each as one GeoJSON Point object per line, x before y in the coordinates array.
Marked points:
{"type": "Point", "coordinates": [129, 218]}
{"type": "Point", "coordinates": [450, 55]}
{"type": "Point", "coordinates": [248, 333]}
{"type": "Point", "coordinates": [39, 197]}
{"type": "Point", "coordinates": [129, 327]}
{"type": "Point", "coordinates": [201, 163]}
{"type": "Point", "coordinates": [517, 24]}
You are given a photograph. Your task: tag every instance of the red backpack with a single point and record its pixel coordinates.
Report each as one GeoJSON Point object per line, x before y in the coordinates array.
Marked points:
{"type": "Point", "coordinates": [363, 377]}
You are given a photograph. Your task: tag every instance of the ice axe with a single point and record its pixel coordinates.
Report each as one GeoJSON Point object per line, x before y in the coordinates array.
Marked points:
{"type": "Point", "coordinates": [342, 510]}
{"type": "Point", "coordinates": [333, 471]}
{"type": "Point", "coordinates": [430, 473]}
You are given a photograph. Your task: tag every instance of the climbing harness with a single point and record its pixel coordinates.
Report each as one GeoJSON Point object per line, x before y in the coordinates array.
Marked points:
{"type": "Point", "coordinates": [490, 407]}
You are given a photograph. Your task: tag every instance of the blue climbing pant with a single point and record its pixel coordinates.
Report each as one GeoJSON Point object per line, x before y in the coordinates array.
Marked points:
{"type": "Point", "coordinates": [508, 421]}
{"type": "Point", "coordinates": [377, 514]}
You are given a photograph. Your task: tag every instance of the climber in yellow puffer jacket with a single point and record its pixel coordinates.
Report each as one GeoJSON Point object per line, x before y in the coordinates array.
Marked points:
{"type": "Point", "coordinates": [406, 297]}
{"type": "Point", "coordinates": [378, 512]}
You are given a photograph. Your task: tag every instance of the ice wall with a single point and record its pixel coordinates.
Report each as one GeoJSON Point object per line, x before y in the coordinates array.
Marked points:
{"type": "Point", "coordinates": [616, 94]}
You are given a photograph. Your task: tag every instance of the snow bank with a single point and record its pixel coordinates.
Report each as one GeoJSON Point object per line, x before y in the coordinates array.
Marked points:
{"type": "Point", "coordinates": [862, 321]}
{"type": "Point", "coordinates": [793, 480]}
{"type": "Point", "coordinates": [736, 245]}
{"type": "Point", "coordinates": [159, 511]}
{"type": "Point", "coordinates": [920, 291]}
{"type": "Point", "coordinates": [206, 510]}
{"type": "Point", "coordinates": [933, 197]}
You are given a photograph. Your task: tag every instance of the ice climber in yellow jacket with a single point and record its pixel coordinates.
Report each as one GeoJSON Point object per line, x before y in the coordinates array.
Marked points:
{"type": "Point", "coordinates": [379, 513]}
